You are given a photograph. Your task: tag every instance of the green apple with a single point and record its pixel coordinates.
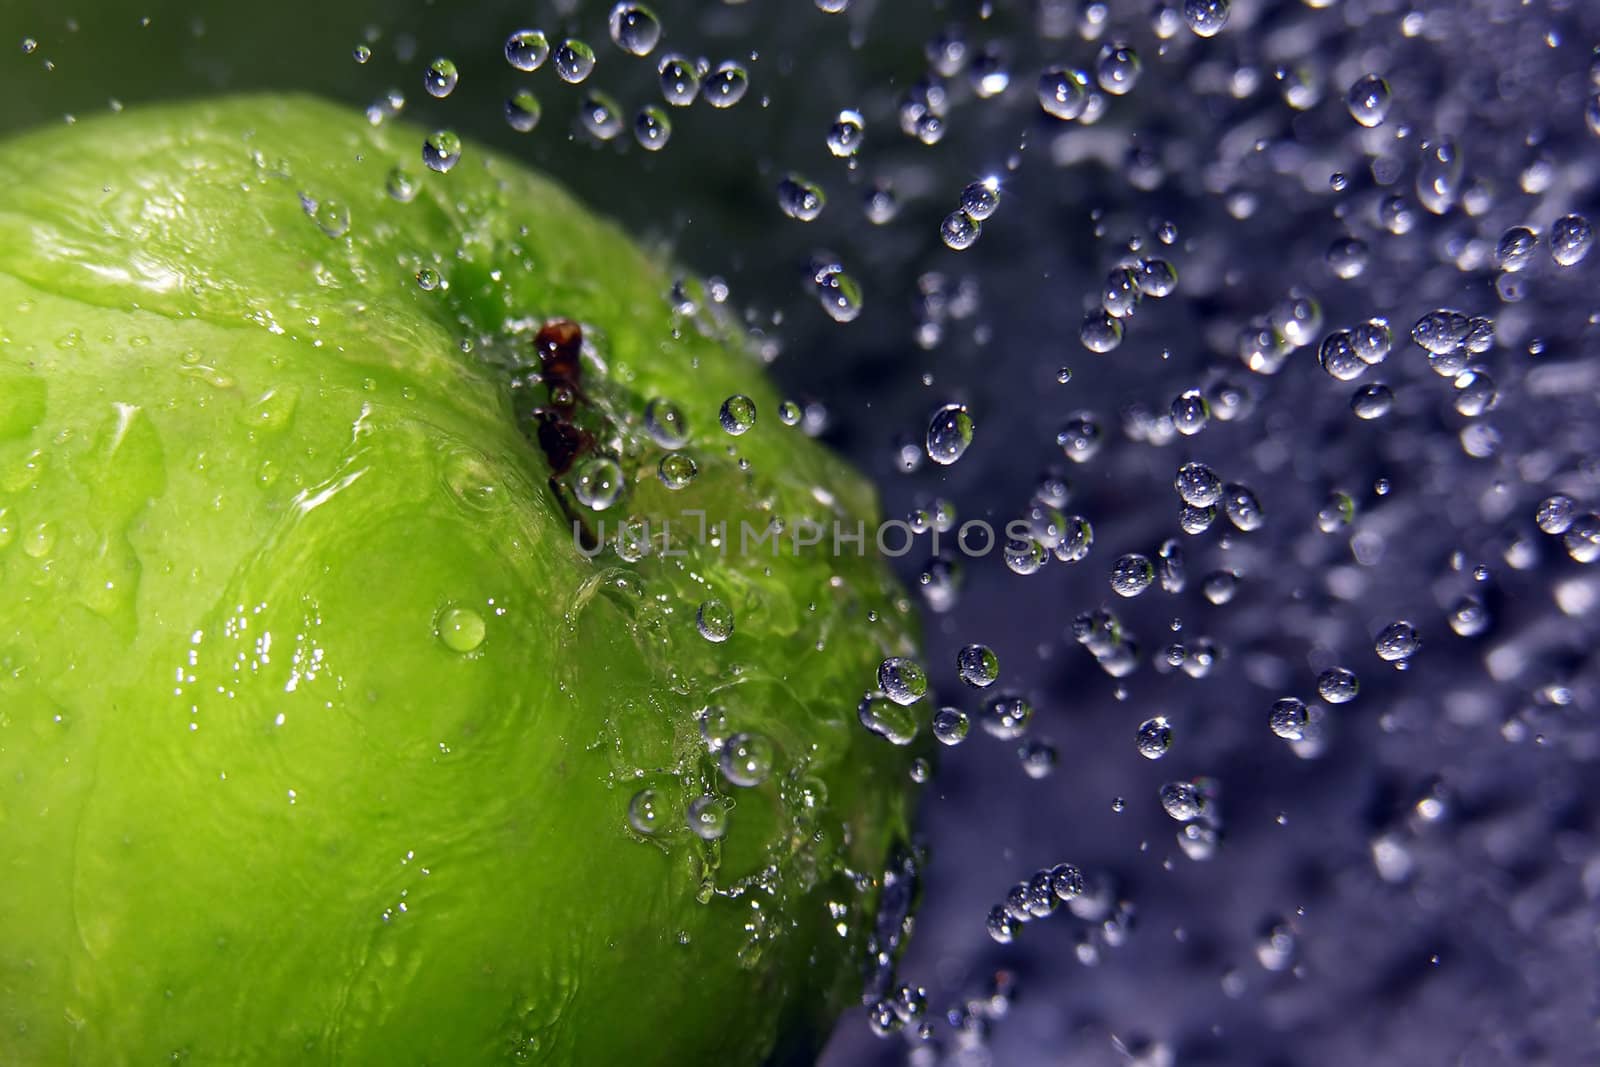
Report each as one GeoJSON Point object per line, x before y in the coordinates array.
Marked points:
{"type": "Point", "coordinates": [324, 738]}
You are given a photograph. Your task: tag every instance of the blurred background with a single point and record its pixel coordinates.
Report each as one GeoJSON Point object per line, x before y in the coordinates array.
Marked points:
{"type": "Point", "coordinates": [1411, 876]}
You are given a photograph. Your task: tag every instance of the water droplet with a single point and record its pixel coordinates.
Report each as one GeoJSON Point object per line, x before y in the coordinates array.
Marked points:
{"type": "Point", "coordinates": [680, 81]}
{"type": "Point", "coordinates": [714, 620]}
{"type": "Point", "coordinates": [1372, 401]}
{"type": "Point", "coordinates": [800, 199]}
{"type": "Point", "coordinates": [1397, 642]}
{"type": "Point", "coordinates": [1243, 509]}
{"type": "Point", "coordinates": [1555, 513]}
{"type": "Point", "coordinates": [1582, 538]}
{"type": "Point", "coordinates": [644, 811]}
{"type": "Point", "coordinates": [1198, 485]}
{"type": "Point", "coordinates": [980, 199]}
{"type": "Point", "coordinates": [1154, 739]}
{"type": "Point", "coordinates": [1372, 341]}
{"type": "Point", "coordinates": [600, 115]}
{"type": "Point", "coordinates": [400, 185]}
{"type": "Point", "coordinates": [1571, 237]}
{"type": "Point", "coordinates": [1516, 248]}
{"type": "Point", "coordinates": [1038, 759]}
{"type": "Point", "coordinates": [573, 60]}
{"type": "Point", "coordinates": [950, 726]}
{"type": "Point", "coordinates": [892, 721]}
{"type": "Point", "coordinates": [1190, 412]}
{"type": "Point", "coordinates": [427, 279]}
{"type": "Point", "coordinates": [676, 470]}
{"type": "Point", "coordinates": [726, 86]}
{"type": "Point", "coordinates": [1157, 277]}
{"type": "Point", "coordinates": [441, 150]}
{"type": "Point", "coordinates": [1337, 356]}
{"type": "Point", "coordinates": [1288, 718]}
{"type": "Point", "coordinates": [652, 128]}
{"type": "Point", "coordinates": [847, 134]}
{"type": "Point", "coordinates": [1182, 801]}
{"type": "Point", "coordinates": [1337, 685]}
{"type": "Point", "coordinates": [665, 424]}
{"type": "Point", "coordinates": [331, 216]}
{"type": "Point", "coordinates": [1117, 68]}
{"type": "Point", "coordinates": [747, 759]}
{"type": "Point", "coordinates": [1132, 574]}
{"type": "Point", "coordinates": [1100, 332]}
{"type": "Point", "coordinates": [978, 666]}
{"type": "Point", "coordinates": [527, 49]}
{"type": "Point", "coordinates": [440, 78]}
{"type": "Point", "coordinates": [598, 482]}
{"type": "Point", "coordinates": [902, 680]}
{"type": "Point", "coordinates": [459, 629]}
{"type": "Point", "coordinates": [949, 434]}
{"type": "Point", "coordinates": [738, 414]}
{"type": "Point", "coordinates": [708, 817]}
{"type": "Point", "coordinates": [635, 28]}
{"type": "Point", "coordinates": [959, 230]}
{"type": "Point", "coordinates": [1080, 437]}
{"type": "Point", "coordinates": [1005, 717]}
{"type": "Point", "coordinates": [1368, 100]}
{"type": "Point", "coordinates": [1063, 92]}
{"type": "Point", "coordinates": [1206, 18]}
{"type": "Point", "coordinates": [522, 111]}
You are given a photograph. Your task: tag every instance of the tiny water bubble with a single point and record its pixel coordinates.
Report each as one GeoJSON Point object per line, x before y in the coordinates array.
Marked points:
{"type": "Point", "coordinates": [888, 719]}
{"type": "Point", "coordinates": [949, 434]}
{"type": "Point", "coordinates": [679, 78]}
{"type": "Point", "coordinates": [634, 28]}
{"type": "Point", "coordinates": [1368, 100]}
{"type": "Point", "coordinates": [1063, 92]}
{"type": "Point", "coordinates": [1006, 717]}
{"type": "Point", "coordinates": [738, 414]}
{"type": "Point", "coordinates": [644, 811]}
{"type": "Point", "coordinates": [1117, 68]}
{"type": "Point", "coordinates": [665, 423]}
{"type": "Point", "coordinates": [522, 111]}
{"type": "Point", "coordinates": [1555, 513]}
{"type": "Point", "coordinates": [600, 115]}
{"type": "Point", "coordinates": [1190, 412]}
{"type": "Point", "coordinates": [714, 619]}
{"type": "Point", "coordinates": [677, 470]}
{"type": "Point", "coordinates": [726, 86]}
{"type": "Point", "coordinates": [980, 199]}
{"type": "Point", "coordinates": [598, 482]}
{"type": "Point", "coordinates": [440, 78]}
{"type": "Point", "coordinates": [847, 134]}
{"type": "Point", "coordinates": [1100, 332]}
{"type": "Point", "coordinates": [460, 629]}
{"type": "Point", "coordinates": [950, 726]}
{"type": "Point", "coordinates": [1198, 485]}
{"type": "Point", "coordinates": [708, 817]}
{"type": "Point", "coordinates": [800, 199]}
{"type": "Point", "coordinates": [1337, 685]}
{"type": "Point", "coordinates": [441, 150]}
{"type": "Point", "coordinates": [747, 759]}
{"type": "Point", "coordinates": [1132, 574]}
{"type": "Point", "coordinates": [1516, 248]}
{"type": "Point", "coordinates": [1288, 718]}
{"type": "Point", "coordinates": [902, 680]}
{"type": "Point", "coordinates": [652, 128]}
{"type": "Point", "coordinates": [527, 50]}
{"type": "Point", "coordinates": [1206, 18]}
{"type": "Point", "coordinates": [959, 230]}
{"type": "Point", "coordinates": [978, 666]}
{"type": "Point", "coordinates": [1038, 760]}
{"type": "Point", "coordinates": [573, 60]}
{"type": "Point", "coordinates": [1182, 801]}
{"type": "Point", "coordinates": [1372, 401]}
{"type": "Point", "coordinates": [1397, 642]}
{"type": "Point", "coordinates": [1242, 507]}
{"type": "Point", "coordinates": [1571, 237]}
{"type": "Point", "coordinates": [1154, 738]}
